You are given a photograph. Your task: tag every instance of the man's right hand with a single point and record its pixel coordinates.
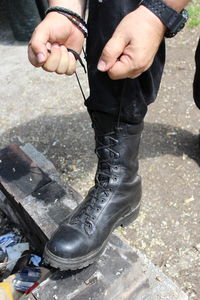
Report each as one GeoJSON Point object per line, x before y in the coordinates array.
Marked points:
{"type": "Point", "coordinates": [49, 43]}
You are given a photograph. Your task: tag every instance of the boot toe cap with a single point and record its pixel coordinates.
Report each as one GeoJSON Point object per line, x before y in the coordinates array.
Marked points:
{"type": "Point", "coordinates": [68, 243]}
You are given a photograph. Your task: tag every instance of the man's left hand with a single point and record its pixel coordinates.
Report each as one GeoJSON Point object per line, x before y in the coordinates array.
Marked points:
{"type": "Point", "coordinates": [133, 46]}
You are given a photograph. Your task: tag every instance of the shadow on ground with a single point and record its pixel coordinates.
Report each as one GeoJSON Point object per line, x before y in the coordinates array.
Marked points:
{"type": "Point", "coordinates": [68, 139]}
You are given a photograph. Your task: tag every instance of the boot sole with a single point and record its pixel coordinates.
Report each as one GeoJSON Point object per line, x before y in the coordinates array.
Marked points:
{"type": "Point", "coordinates": [82, 262]}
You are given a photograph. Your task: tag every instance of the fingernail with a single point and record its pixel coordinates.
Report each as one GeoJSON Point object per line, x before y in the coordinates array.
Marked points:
{"type": "Point", "coordinates": [55, 45]}
{"type": "Point", "coordinates": [101, 65]}
{"type": "Point", "coordinates": [63, 48]}
{"type": "Point", "coordinates": [48, 45]}
{"type": "Point", "coordinates": [40, 58]}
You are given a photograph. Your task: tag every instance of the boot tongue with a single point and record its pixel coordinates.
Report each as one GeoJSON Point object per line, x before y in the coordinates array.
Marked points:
{"type": "Point", "coordinates": [103, 124]}
{"type": "Point", "coordinates": [104, 155]}
{"type": "Point", "coordinates": [104, 179]}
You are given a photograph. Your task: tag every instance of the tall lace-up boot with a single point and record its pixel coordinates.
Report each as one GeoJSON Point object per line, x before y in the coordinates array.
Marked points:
{"type": "Point", "coordinates": [113, 201]}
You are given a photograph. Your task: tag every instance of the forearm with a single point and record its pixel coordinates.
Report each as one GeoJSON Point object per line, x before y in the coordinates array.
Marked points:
{"type": "Point", "coordinates": [77, 6]}
{"type": "Point", "coordinates": [178, 5]}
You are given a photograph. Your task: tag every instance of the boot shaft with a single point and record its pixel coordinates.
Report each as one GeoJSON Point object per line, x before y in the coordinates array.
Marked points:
{"type": "Point", "coordinates": [117, 144]}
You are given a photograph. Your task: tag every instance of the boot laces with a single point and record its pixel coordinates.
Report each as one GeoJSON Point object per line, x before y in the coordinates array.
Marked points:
{"type": "Point", "coordinates": [103, 171]}
{"type": "Point", "coordinates": [85, 214]}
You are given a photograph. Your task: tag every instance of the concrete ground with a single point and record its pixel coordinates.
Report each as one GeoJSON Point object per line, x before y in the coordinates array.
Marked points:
{"type": "Point", "coordinates": [47, 110]}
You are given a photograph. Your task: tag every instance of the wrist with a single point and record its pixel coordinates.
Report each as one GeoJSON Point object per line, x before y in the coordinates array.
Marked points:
{"type": "Point", "coordinates": [75, 18]}
{"type": "Point", "coordinates": [171, 18]}
{"type": "Point", "coordinates": [152, 20]}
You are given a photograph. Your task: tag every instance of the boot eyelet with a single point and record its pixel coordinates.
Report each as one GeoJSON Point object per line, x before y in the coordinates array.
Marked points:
{"type": "Point", "coordinates": [102, 200]}
{"type": "Point", "coordinates": [93, 218]}
{"type": "Point", "coordinates": [97, 209]}
{"type": "Point", "coordinates": [115, 178]}
{"type": "Point", "coordinates": [116, 168]}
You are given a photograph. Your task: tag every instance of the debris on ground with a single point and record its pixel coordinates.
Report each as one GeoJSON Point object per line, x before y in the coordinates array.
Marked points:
{"type": "Point", "coordinates": [20, 270]}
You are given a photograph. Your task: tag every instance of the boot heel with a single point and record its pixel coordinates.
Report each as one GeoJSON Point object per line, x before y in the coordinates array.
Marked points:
{"type": "Point", "coordinates": [129, 218]}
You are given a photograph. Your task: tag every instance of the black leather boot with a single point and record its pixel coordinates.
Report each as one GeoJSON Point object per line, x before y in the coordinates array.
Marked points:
{"type": "Point", "coordinates": [113, 201]}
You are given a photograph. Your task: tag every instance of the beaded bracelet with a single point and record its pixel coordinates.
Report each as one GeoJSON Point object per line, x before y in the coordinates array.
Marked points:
{"type": "Point", "coordinates": [72, 16]}
{"type": "Point", "coordinates": [77, 23]}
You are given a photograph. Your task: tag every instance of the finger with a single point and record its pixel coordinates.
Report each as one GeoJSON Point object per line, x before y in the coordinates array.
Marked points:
{"type": "Point", "coordinates": [111, 53]}
{"type": "Point", "coordinates": [71, 65]}
{"type": "Point", "coordinates": [125, 68]}
{"type": "Point", "coordinates": [53, 60]}
{"type": "Point", "coordinates": [74, 42]}
{"type": "Point", "coordinates": [48, 46]}
{"type": "Point", "coordinates": [32, 58]}
{"type": "Point", "coordinates": [64, 61]}
{"type": "Point", "coordinates": [38, 43]}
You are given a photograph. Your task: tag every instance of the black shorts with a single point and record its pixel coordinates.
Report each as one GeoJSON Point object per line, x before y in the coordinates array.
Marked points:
{"type": "Point", "coordinates": [106, 94]}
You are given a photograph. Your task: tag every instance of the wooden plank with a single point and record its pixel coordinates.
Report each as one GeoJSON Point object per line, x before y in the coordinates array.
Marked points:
{"type": "Point", "coordinates": [116, 276]}
{"type": "Point", "coordinates": [19, 175]}
{"type": "Point", "coordinates": [39, 203]}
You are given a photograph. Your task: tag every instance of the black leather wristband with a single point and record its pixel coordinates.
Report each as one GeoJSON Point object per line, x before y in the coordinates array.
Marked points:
{"type": "Point", "coordinates": [173, 20]}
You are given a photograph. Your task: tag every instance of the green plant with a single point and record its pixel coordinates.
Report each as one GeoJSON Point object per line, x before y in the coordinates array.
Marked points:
{"type": "Point", "coordinates": [194, 13]}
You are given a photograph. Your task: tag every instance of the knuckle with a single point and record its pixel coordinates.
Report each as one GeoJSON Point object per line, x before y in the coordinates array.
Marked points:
{"type": "Point", "coordinates": [148, 65]}
{"type": "Point", "coordinates": [45, 69]}
{"type": "Point", "coordinates": [62, 69]}
{"type": "Point", "coordinates": [108, 51]}
{"type": "Point", "coordinates": [60, 72]}
{"type": "Point", "coordinates": [70, 72]}
{"type": "Point", "coordinates": [113, 76]}
{"type": "Point", "coordinates": [48, 69]}
{"type": "Point", "coordinates": [135, 75]}
{"type": "Point", "coordinates": [141, 63]}
{"type": "Point", "coordinates": [138, 66]}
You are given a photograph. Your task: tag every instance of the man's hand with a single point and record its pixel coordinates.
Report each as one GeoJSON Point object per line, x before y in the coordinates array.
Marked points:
{"type": "Point", "coordinates": [49, 43]}
{"type": "Point", "coordinates": [133, 46]}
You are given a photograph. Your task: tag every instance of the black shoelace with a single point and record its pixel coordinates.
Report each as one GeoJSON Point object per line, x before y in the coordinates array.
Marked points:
{"type": "Point", "coordinates": [85, 214]}
{"type": "Point", "coordinates": [77, 57]}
